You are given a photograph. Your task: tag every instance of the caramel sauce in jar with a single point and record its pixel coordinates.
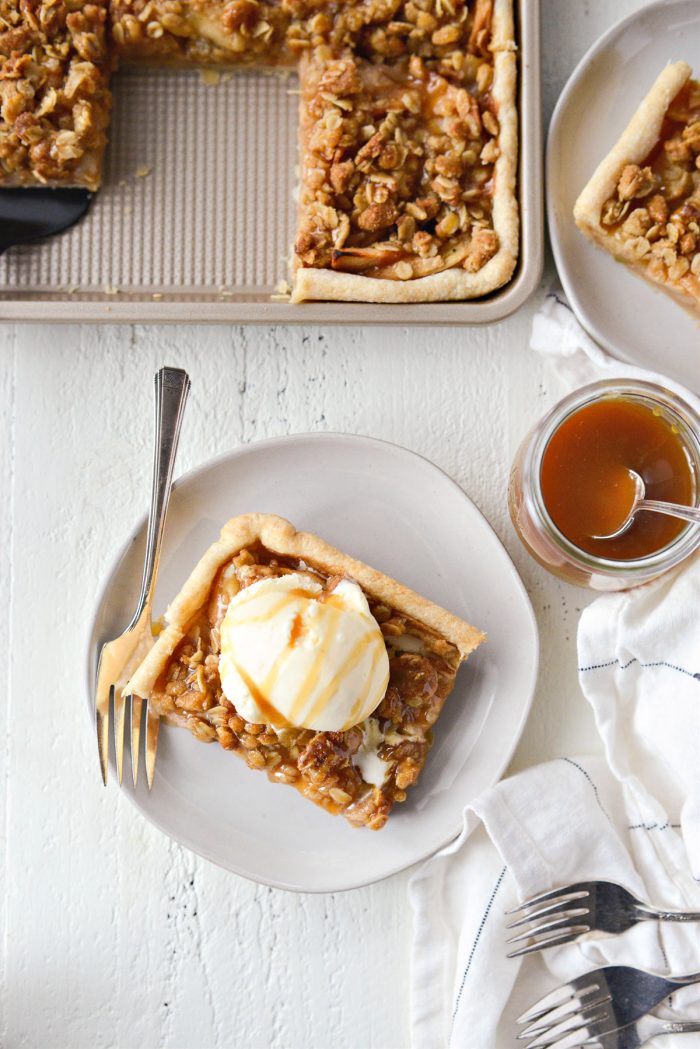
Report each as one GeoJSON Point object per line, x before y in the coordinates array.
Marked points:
{"type": "Point", "coordinates": [570, 483]}
{"type": "Point", "coordinates": [587, 489]}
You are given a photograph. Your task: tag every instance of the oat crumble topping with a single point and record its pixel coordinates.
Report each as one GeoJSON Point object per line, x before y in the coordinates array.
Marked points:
{"type": "Point", "coordinates": [54, 93]}
{"type": "Point", "coordinates": [656, 207]}
{"type": "Point", "coordinates": [397, 169]}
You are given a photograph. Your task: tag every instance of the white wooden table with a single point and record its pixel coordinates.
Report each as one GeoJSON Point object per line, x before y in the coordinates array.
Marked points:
{"type": "Point", "coordinates": [114, 935]}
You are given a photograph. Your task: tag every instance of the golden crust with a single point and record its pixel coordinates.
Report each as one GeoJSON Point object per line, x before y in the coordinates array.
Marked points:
{"type": "Point", "coordinates": [635, 143]}
{"type": "Point", "coordinates": [639, 139]}
{"type": "Point", "coordinates": [280, 537]}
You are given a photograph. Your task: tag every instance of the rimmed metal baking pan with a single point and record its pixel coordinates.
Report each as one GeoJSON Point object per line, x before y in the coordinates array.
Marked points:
{"type": "Point", "coordinates": [196, 216]}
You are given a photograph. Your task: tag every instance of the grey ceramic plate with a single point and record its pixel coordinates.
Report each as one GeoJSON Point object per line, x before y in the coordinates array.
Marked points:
{"type": "Point", "coordinates": [400, 513]}
{"type": "Point", "coordinates": [628, 317]}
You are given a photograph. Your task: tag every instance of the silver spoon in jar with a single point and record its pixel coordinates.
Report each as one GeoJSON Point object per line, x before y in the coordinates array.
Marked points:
{"type": "Point", "coordinates": [639, 502]}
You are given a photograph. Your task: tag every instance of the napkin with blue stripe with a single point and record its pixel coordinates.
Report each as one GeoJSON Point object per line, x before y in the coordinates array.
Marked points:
{"type": "Point", "coordinates": [632, 816]}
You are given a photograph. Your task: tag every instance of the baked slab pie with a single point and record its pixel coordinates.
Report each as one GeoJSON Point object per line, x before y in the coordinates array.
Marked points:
{"type": "Point", "coordinates": [54, 92]}
{"type": "Point", "coordinates": [262, 575]}
{"type": "Point", "coordinates": [408, 166]}
{"type": "Point", "coordinates": [643, 202]}
{"type": "Point", "coordinates": [408, 133]}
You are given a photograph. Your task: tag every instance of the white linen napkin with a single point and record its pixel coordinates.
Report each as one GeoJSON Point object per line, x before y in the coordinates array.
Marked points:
{"type": "Point", "coordinates": [632, 817]}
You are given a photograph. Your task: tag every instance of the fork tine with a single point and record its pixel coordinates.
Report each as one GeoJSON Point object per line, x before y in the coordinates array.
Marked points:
{"type": "Point", "coordinates": [575, 1026]}
{"type": "Point", "coordinates": [572, 1039]}
{"type": "Point", "coordinates": [539, 1018]}
{"type": "Point", "coordinates": [549, 1001]}
{"type": "Point", "coordinates": [559, 907]}
{"type": "Point", "coordinates": [103, 694]}
{"type": "Point", "coordinates": [119, 705]}
{"type": "Point", "coordinates": [566, 1018]}
{"type": "Point", "coordinates": [566, 995]}
{"type": "Point", "coordinates": [136, 707]}
{"type": "Point", "coordinates": [561, 920]}
{"type": "Point", "coordinates": [553, 898]}
{"type": "Point", "coordinates": [152, 723]}
{"type": "Point", "coordinates": [567, 936]}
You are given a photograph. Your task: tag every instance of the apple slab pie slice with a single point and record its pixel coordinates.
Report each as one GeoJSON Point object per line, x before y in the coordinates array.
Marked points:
{"type": "Point", "coordinates": [642, 204]}
{"type": "Point", "coordinates": [408, 169]}
{"type": "Point", "coordinates": [313, 666]}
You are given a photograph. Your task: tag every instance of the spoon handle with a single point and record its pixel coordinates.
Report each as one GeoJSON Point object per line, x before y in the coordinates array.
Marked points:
{"type": "Point", "coordinates": [686, 513]}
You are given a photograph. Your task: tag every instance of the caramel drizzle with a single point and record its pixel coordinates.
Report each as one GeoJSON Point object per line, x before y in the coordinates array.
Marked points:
{"type": "Point", "coordinates": [311, 680]}
{"type": "Point", "coordinates": [351, 661]}
{"type": "Point", "coordinates": [261, 693]}
{"type": "Point", "coordinates": [296, 591]}
{"type": "Point", "coordinates": [362, 699]}
{"type": "Point", "coordinates": [270, 712]}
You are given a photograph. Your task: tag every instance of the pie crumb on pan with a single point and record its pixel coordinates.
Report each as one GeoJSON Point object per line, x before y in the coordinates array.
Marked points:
{"type": "Point", "coordinates": [54, 92]}
{"type": "Point", "coordinates": [359, 770]}
{"type": "Point", "coordinates": [642, 204]}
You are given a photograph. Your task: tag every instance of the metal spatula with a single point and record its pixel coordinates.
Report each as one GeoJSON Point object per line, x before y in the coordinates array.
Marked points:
{"type": "Point", "coordinates": [27, 214]}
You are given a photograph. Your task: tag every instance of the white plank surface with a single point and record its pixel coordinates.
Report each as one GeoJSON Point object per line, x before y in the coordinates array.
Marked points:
{"type": "Point", "coordinates": [113, 935]}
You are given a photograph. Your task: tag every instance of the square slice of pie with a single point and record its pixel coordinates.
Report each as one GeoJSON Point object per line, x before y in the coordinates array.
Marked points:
{"type": "Point", "coordinates": [313, 666]}
{"type": "Point", "coordinates": [54, 92]}
{"type": "Point", "coordinates": [642, 204]}
{"type": "Point", "coordinates": [408, 165]}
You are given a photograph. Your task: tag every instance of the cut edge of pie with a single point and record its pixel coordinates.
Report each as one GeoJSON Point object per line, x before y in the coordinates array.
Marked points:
{"type": "Point", "coordinates": [360, 771]}
{"type": "Point", "coordinates": [451, 282]}
{"type": "Point", "coordinates": [640, 138]}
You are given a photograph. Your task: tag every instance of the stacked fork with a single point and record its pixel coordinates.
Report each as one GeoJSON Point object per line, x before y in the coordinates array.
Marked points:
{"type": "Point", "coordinates": [604, 1008]}
{"type": "Point", "coordinates": [610, 1007]}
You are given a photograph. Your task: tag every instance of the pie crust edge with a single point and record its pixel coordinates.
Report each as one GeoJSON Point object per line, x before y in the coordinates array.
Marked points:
{"type": "Point", "coordinates": [451, 284]}
{"type": "Point", "coordinates": [280, 537]}
{"type": "Point", "coordinates": [634, 145]}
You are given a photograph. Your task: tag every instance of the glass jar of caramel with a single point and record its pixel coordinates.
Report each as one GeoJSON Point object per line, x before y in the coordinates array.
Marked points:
{"type": "Point", "coordinates": [570, 479]}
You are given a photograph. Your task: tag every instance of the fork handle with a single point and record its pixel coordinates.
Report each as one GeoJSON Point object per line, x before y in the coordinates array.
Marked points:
{"type": "Point", "coordinates": [172, 385]}
{"type": "Point", "coordinates": [651, 1026]}
{"type": "Point", "coordinates": [653, 914]}
{"type": "Point", "coordinates": [683, 981]}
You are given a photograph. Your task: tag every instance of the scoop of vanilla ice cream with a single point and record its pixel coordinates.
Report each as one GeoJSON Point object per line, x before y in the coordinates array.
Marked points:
{"type": "Point", "coordinates": [295, 655]}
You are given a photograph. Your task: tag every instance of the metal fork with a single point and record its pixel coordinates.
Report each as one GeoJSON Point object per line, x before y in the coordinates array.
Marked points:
{"type": "Point", "coordinates": [120, 656]}
{"type": "Point", "coordinates": [636, 1034]}
{"type": "Point", "coordinates": [558, 917]}
{"type": "Point", "coordinates": [596, 1004]}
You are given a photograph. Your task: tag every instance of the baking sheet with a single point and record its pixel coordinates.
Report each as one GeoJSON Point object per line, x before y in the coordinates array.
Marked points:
{"type": "Point", "coordinates": [196, 215]}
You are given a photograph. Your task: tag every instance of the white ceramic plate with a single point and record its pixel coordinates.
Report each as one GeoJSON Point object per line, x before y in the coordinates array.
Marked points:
{"type": "Point", "coordinates": [626, 315]}
{"type": "Point", "coordinates": [394, 510]}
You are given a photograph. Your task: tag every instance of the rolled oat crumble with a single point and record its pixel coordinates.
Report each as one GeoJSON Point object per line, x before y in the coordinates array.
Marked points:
{"type": "Point", "coordinates": [397, 169]}
{"type": "Point", "coordinates": [656, 206]}
{"type": "Point", "coordinates": [54, 92]}
{"type": "Point", "coordinates": [651, 219]}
